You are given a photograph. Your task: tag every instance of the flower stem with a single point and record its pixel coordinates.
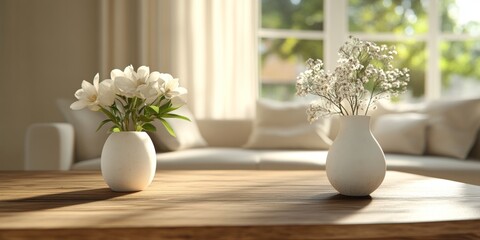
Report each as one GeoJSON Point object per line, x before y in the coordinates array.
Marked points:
{"type": "Point", "coordinates": [371, 97]}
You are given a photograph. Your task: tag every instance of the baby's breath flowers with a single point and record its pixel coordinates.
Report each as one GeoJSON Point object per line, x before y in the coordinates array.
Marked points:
{"type": "Point", "coordinates": [364, 75]}
{"type": "Point", "coordinates": [131, 99]}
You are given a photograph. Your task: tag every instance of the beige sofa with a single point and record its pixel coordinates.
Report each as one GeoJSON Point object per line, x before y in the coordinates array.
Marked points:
{"type": "Point", "coordinates": [54, 146]}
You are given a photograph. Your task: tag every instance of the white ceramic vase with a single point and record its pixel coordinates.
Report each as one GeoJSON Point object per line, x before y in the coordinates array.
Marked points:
{"type": "Point", "coordinates": [355, 162]}
{"type": "Point", "coordinates": [128, 161]}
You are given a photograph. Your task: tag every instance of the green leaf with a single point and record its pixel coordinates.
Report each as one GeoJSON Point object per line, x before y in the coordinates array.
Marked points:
{"type": "Point", "coordinates": [145, 118]}
{"type": "Point", "coordinates": [168, 107]}
{"type": "Point", "coordinates": [164, 109]}
{"type": "Point", "coordinates": [103, 123]}
{"type": "Point", "coordinates": [152, 109]}
{"type": "Point", "coordinates": [148, 127]}
{"type": "Point", "coordinates": [168, 127]}
{"type": "Point", "coordinates": [171, 115]}
{"type": "Point", "coordinates": [115, 129]}
{"type": "Point", "coordinates": [109, 114]}
{"type": "Point", "coordinates": [138, 102]}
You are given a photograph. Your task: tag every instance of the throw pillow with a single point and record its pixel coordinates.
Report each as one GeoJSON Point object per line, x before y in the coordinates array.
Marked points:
{"type": "Point", "coordinates": [187, 133]}
{"type": "Point", "coordinates": [453, 127]}
{"type": "Point", "coordinates": [281, 125]}
{"type": "Point", "coordinates": [88, 142]}
{"type": "Point", "coordinates": [385, 107]}
{"type": "Point", "coordinates": [401, 133]}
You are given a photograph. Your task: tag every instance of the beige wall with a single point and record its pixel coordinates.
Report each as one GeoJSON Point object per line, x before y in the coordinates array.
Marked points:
{"type": "Point", "coordinates": [46, 48]}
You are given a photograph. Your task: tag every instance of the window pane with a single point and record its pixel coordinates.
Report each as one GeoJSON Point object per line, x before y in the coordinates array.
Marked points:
{"type": "Point", "coordinates": [292, 14]}
{"type": "Point", "coordinates": [460, 16]}
{"type": "Point", "coordinates": [411, 55]}
{"type": "Point", "coordinates": [398, 16]}
{"type": "Point", "coordinates": [460, 65]}
{"type": "Point", "coordinates": [281, 61]}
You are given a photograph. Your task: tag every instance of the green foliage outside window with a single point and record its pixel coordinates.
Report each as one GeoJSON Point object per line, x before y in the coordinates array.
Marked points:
{"type": "Point", "coordinates": [403, 17]}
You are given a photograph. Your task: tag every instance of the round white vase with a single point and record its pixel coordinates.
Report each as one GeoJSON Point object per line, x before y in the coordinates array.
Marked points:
{"type": "Point", "coordinates": [355, 162]}
{"type": "Point", "coordinates": [128, 161]}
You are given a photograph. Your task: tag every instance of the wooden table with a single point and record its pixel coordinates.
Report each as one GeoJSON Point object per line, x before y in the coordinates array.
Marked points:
{"type": "Point", "coordinates": [234, 205]}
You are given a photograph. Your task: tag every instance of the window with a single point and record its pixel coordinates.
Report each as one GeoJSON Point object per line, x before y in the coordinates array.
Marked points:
{"type": "Point", "coordinates": [438, 40]}
{"type": "Point", "coordinates": [460, 48]}
{"type": "Point", "coordinates": [291, 32]}
{"type": "Point", "coordinates": [402, 24]}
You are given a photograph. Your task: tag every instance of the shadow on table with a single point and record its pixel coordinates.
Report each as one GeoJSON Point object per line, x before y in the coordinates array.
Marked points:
{"type": "Point", "coordinates": [58, 200]}
{"type": "Point", "coordinates": [328, 207]}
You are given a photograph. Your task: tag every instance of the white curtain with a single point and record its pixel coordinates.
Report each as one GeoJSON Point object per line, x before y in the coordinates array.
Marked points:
{"type": "Point", "coordinates": [209, 44]}
{"type": "Point", "coordinates": [131, 33]}
{"type": "Point", "coordinates": [215, 54]}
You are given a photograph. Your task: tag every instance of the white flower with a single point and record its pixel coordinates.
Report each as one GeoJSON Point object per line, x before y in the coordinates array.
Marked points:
{"type": "Point", "coordinates": [124, 81]}
{"type": "Point", "coordinates": [151, 89]}
{"type": "Point", "coordinates": [94, 96]}
{"type": "Point", "coordinates": [169, 86]}
{"type": "Point", "coordinates": [131, 100]}
{"type": "Point", "coordinates": [364, 75]}
{"type": "Point", "coordinates": [136, 84]}
{"type": "Point", "coordinates": [106, 96]}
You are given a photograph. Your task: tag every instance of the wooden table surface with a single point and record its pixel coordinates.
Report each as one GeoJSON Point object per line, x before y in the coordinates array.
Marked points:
{"type": "Point", "coordinates": [235, 205]}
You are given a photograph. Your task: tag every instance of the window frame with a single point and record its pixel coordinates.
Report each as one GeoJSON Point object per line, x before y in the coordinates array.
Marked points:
{"type": "Point", "coordinates": [336, 32]}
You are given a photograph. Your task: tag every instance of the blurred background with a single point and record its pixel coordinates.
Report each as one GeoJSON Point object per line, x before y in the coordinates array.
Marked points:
{"type": "Point", "coordinates": [227, 53]}
{"type": "Point", "coordinates": [439, 41]}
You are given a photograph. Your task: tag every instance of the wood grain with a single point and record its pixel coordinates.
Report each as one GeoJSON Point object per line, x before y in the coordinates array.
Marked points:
{"type": "Point", "coordinates": [235, 205]}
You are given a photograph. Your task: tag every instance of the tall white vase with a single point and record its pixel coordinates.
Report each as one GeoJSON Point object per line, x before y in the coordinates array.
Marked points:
{"type": "Point", "coordinates": [355, 162]}
{"type": "Point", "coordinates": [128, 161]}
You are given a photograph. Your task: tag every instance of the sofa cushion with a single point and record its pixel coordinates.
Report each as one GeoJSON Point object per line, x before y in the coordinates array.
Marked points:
{"type": "Point", "coordinates": [88, 141]}
{"type": "Point", "coordinates": [292, 160]}
{"type": "Point", "coordinates": [195, 159]}
{"type": "Point", "coordinates": [452, 126]}
{"type": "Point", "coordinates": [281, 125]}
{"type": "Point", "coordinates": [208, 159]}
{"type": "Point", "coordinates": [401, 133]}
{"type": "Point", "coordinates": [435, 166]}
{"type": "Point", "coordinates": [215, 131]}
{"type": "Point", "coordinates": [187, 133]}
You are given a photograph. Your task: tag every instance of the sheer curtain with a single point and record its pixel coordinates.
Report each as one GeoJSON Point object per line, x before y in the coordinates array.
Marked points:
{"type": "Point", "coordinates": [131, 33]}
{"type": "Point", "coordinates": [209, 44]}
